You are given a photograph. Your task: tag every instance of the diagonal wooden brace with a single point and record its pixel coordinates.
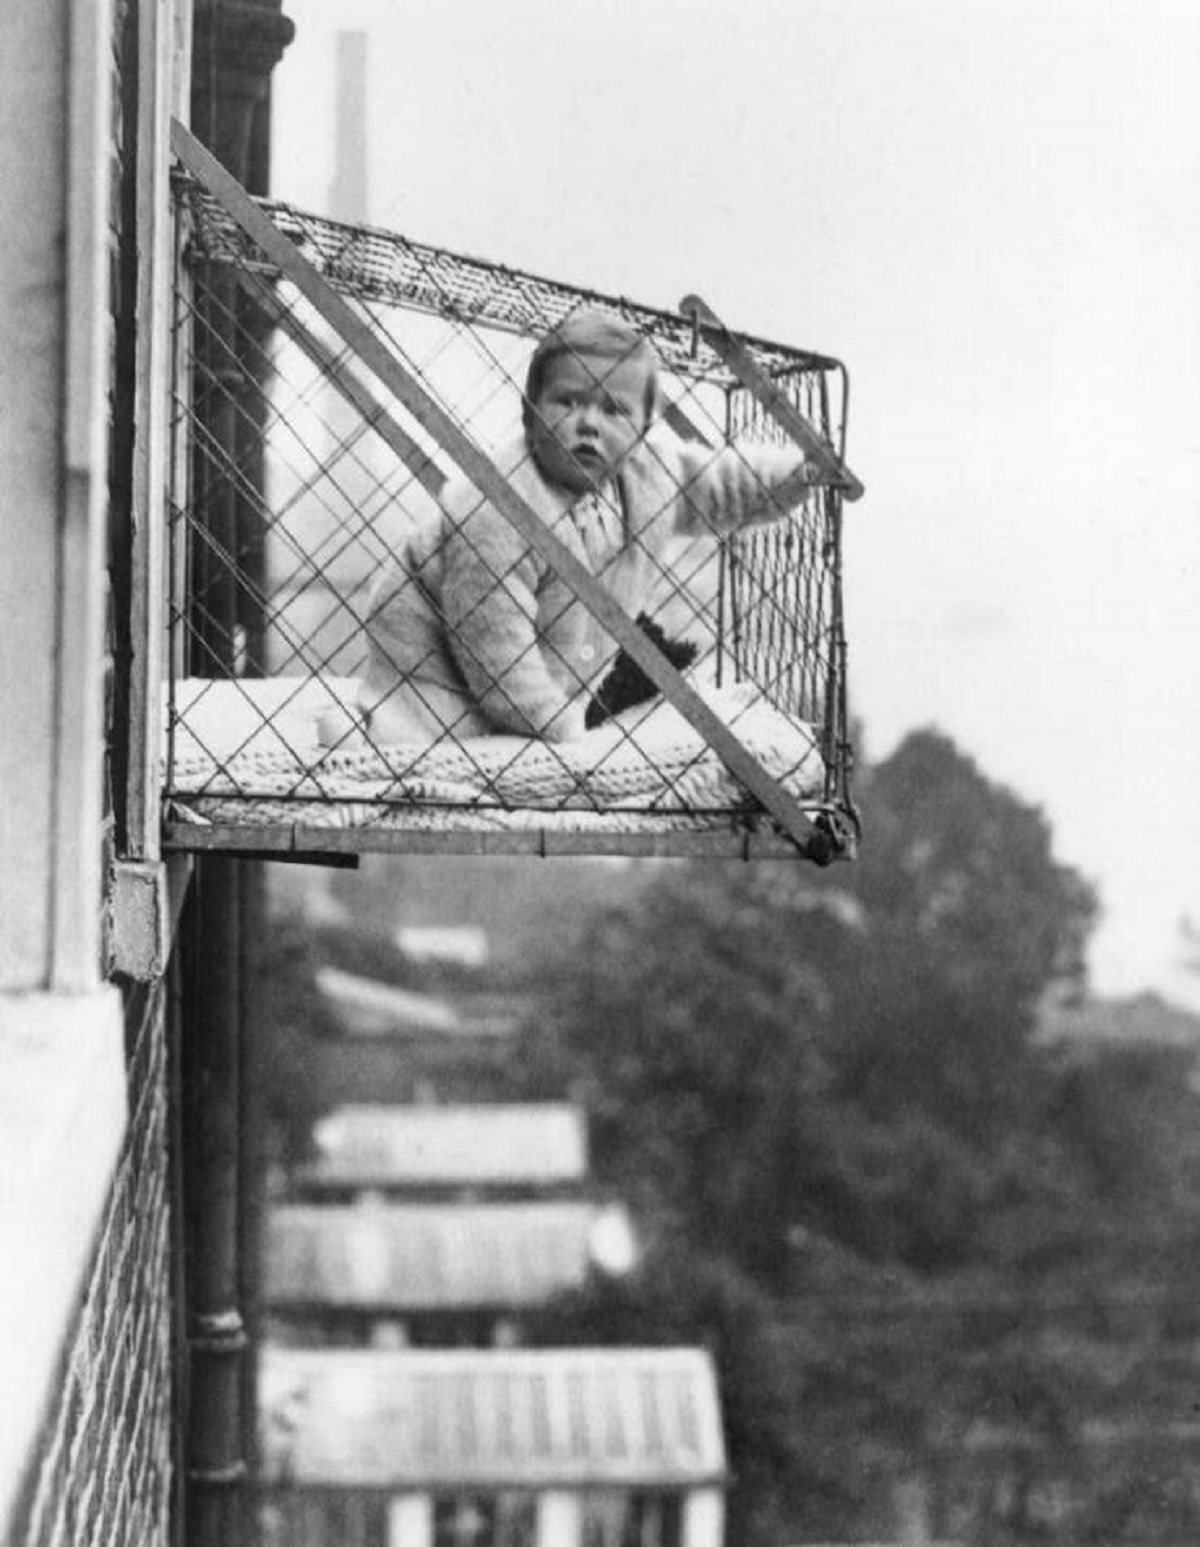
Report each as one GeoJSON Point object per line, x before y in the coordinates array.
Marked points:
{"type": "Point", "coordinates": [373, 352]}
{"type": "Point", "coordinates": [419, 463]}
{"type": "Point", "coordinates": [781, 408]}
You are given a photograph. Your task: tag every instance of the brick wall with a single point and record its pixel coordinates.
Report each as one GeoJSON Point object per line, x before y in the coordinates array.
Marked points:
{"type": "Point", "coordinates": [102, 1477]}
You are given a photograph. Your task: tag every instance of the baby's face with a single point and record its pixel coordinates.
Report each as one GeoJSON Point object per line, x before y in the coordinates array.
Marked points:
{"type": "Point", "coordinates": [589, 415]}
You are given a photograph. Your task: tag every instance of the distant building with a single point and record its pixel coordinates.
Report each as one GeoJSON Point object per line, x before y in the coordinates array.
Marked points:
{"type": "Point", "coordinates": [432, 1274]}
{"type": "Point", "coordinates": [366, 1007]}
{"type": "Point", "coordinates": [580, 1447]}
{"type": "Point", "coordinates": [456, 945]}
{"type": "Point", "coordinates": [397, 1046]}
{"type": "Point", "coordinates": [369, 1008]}
{"type": "Point", "coordinates": [463, 1151]}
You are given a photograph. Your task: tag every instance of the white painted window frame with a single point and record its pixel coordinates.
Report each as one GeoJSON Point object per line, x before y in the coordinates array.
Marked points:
{"type": "Point", "coordinates": [146, 892]}
{"type": "Point", "coordinates": [62, 1055]}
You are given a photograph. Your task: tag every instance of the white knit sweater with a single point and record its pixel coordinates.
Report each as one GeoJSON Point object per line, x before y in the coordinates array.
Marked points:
{"type": "Point", "coordinates": [472, 632]}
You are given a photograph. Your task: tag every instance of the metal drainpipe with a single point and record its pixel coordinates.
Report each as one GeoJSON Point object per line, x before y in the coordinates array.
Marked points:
{"type": "Point", "coordinates": [252, 561]}
{"type": "Point", "coordinates": [236, 45]}
{"type": "Point", "coordinates": [216, 1337]}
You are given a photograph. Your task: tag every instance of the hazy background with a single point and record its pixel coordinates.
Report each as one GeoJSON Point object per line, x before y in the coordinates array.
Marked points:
{"type": "Point", "coordinates": [989, 210]}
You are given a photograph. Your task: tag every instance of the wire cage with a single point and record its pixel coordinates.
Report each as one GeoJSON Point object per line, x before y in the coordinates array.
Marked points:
{"type": "Point", "coordinates": [344, 398]}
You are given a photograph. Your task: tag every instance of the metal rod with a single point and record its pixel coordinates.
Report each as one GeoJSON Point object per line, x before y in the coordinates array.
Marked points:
{"type": "Point", "coordinates": [252, 1144]}
{"type": "Point", "coordinates": [781, 408]}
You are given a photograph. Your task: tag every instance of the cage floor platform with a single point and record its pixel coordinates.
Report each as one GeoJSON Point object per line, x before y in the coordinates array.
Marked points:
{"type": "Point", "coordinates": [248, 773]}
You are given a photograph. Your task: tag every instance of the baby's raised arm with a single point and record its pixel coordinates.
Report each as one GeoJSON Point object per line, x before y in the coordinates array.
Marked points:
{"type": "Point", "coordinates": [738, 486]}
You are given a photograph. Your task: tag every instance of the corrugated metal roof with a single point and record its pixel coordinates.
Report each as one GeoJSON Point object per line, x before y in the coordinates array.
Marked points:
{"type": "Point", "coordinates": [465, 944]}
{"type": "Point", "coordinates": [476, 1418]}
{"type": "Point", "coordinates": [372, 1008]}
{"type": "Point", "coordinates": [463, 1146]}
{"type": "Point", "coordinates": [427, 1257]}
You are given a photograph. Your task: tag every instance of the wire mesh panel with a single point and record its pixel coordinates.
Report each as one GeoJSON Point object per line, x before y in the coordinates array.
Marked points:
{"type": "Point", "coordinates": [375, 646]}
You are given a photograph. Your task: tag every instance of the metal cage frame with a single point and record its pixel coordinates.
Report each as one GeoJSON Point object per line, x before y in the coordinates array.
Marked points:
{"type": "Point", "coordinates": [235, 257]}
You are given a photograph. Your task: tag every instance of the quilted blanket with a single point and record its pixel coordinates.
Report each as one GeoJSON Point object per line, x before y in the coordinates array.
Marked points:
{"type": "Point", "coordinates": [249, 753]}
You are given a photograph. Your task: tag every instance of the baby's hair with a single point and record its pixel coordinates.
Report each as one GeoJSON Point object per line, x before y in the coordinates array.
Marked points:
{"type": "Point", "coordinates": [591, 332]}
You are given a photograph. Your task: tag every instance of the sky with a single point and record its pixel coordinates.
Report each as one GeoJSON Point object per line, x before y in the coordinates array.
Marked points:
{"type": "Point", "coordinates": [989, 210]}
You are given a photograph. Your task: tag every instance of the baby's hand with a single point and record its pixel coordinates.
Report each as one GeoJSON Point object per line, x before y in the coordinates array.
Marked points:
{"type": "Point", "coordinates": [568, 724]}
{"type": "Point", "coordinates": [741, 485]}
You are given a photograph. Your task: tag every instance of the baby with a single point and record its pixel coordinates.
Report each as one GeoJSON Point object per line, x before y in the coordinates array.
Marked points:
{"type": "Point", "coordinates": [474, 633]}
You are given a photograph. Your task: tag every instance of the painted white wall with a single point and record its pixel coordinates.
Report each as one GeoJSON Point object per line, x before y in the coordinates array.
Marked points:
{"type": "Point", "coordinates": [410, 1520]}
{"type": "Point", "coordinates": [559, 1519]}
{"type": "Point", "coordinates": [55, 89]}
{"type": "Point", "coordinates": [62, 1116]}
{"type": "Point", "coordinates": [704, 1518]}
{"type": "Point", "coordinates": [32, 280]}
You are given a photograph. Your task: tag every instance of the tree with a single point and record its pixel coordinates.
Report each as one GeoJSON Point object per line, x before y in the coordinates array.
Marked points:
{"type": "Point", "coordinates": [686, 1022]}
{"type": "Point", "coordinates": [788, 1447]}
{"type": "Point", "coordinates": [968, 920]}
{"type": "Point", "coordinates": [764, 1048]}
{"type": "Point", "coordinates": [775, 1058]}
{"type": "Point", "coordinates": [294, 1023]}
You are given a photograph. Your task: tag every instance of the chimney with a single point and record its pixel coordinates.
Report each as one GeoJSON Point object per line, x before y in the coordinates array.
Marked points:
{"type": "Point", "coordinates": [348, 194]}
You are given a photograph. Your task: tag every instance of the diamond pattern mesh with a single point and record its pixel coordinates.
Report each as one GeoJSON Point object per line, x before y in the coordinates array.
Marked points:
{"type": "Point", "coordinates": [358, 635]}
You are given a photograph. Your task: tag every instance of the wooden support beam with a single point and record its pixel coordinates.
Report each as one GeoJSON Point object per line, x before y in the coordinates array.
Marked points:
{"type": "Point", "coordinates": [302, 844]}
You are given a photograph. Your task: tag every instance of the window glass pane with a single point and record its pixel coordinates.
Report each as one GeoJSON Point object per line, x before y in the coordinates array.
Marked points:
{"type": "Point", "coordinates": [604, 1518]}
{"type": "Point", "coordinates": [485, 1520]}
{"type": "Point", "coordinates": [632, 1519]}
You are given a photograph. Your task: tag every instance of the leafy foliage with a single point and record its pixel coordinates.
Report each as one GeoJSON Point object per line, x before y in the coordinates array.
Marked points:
{"type": "Point", "coordinates": [831, 1092]}
{"type": "Point", "coordinates": [292, 1025]}
{"type": "Point", "coordinates": [788, 1463]}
